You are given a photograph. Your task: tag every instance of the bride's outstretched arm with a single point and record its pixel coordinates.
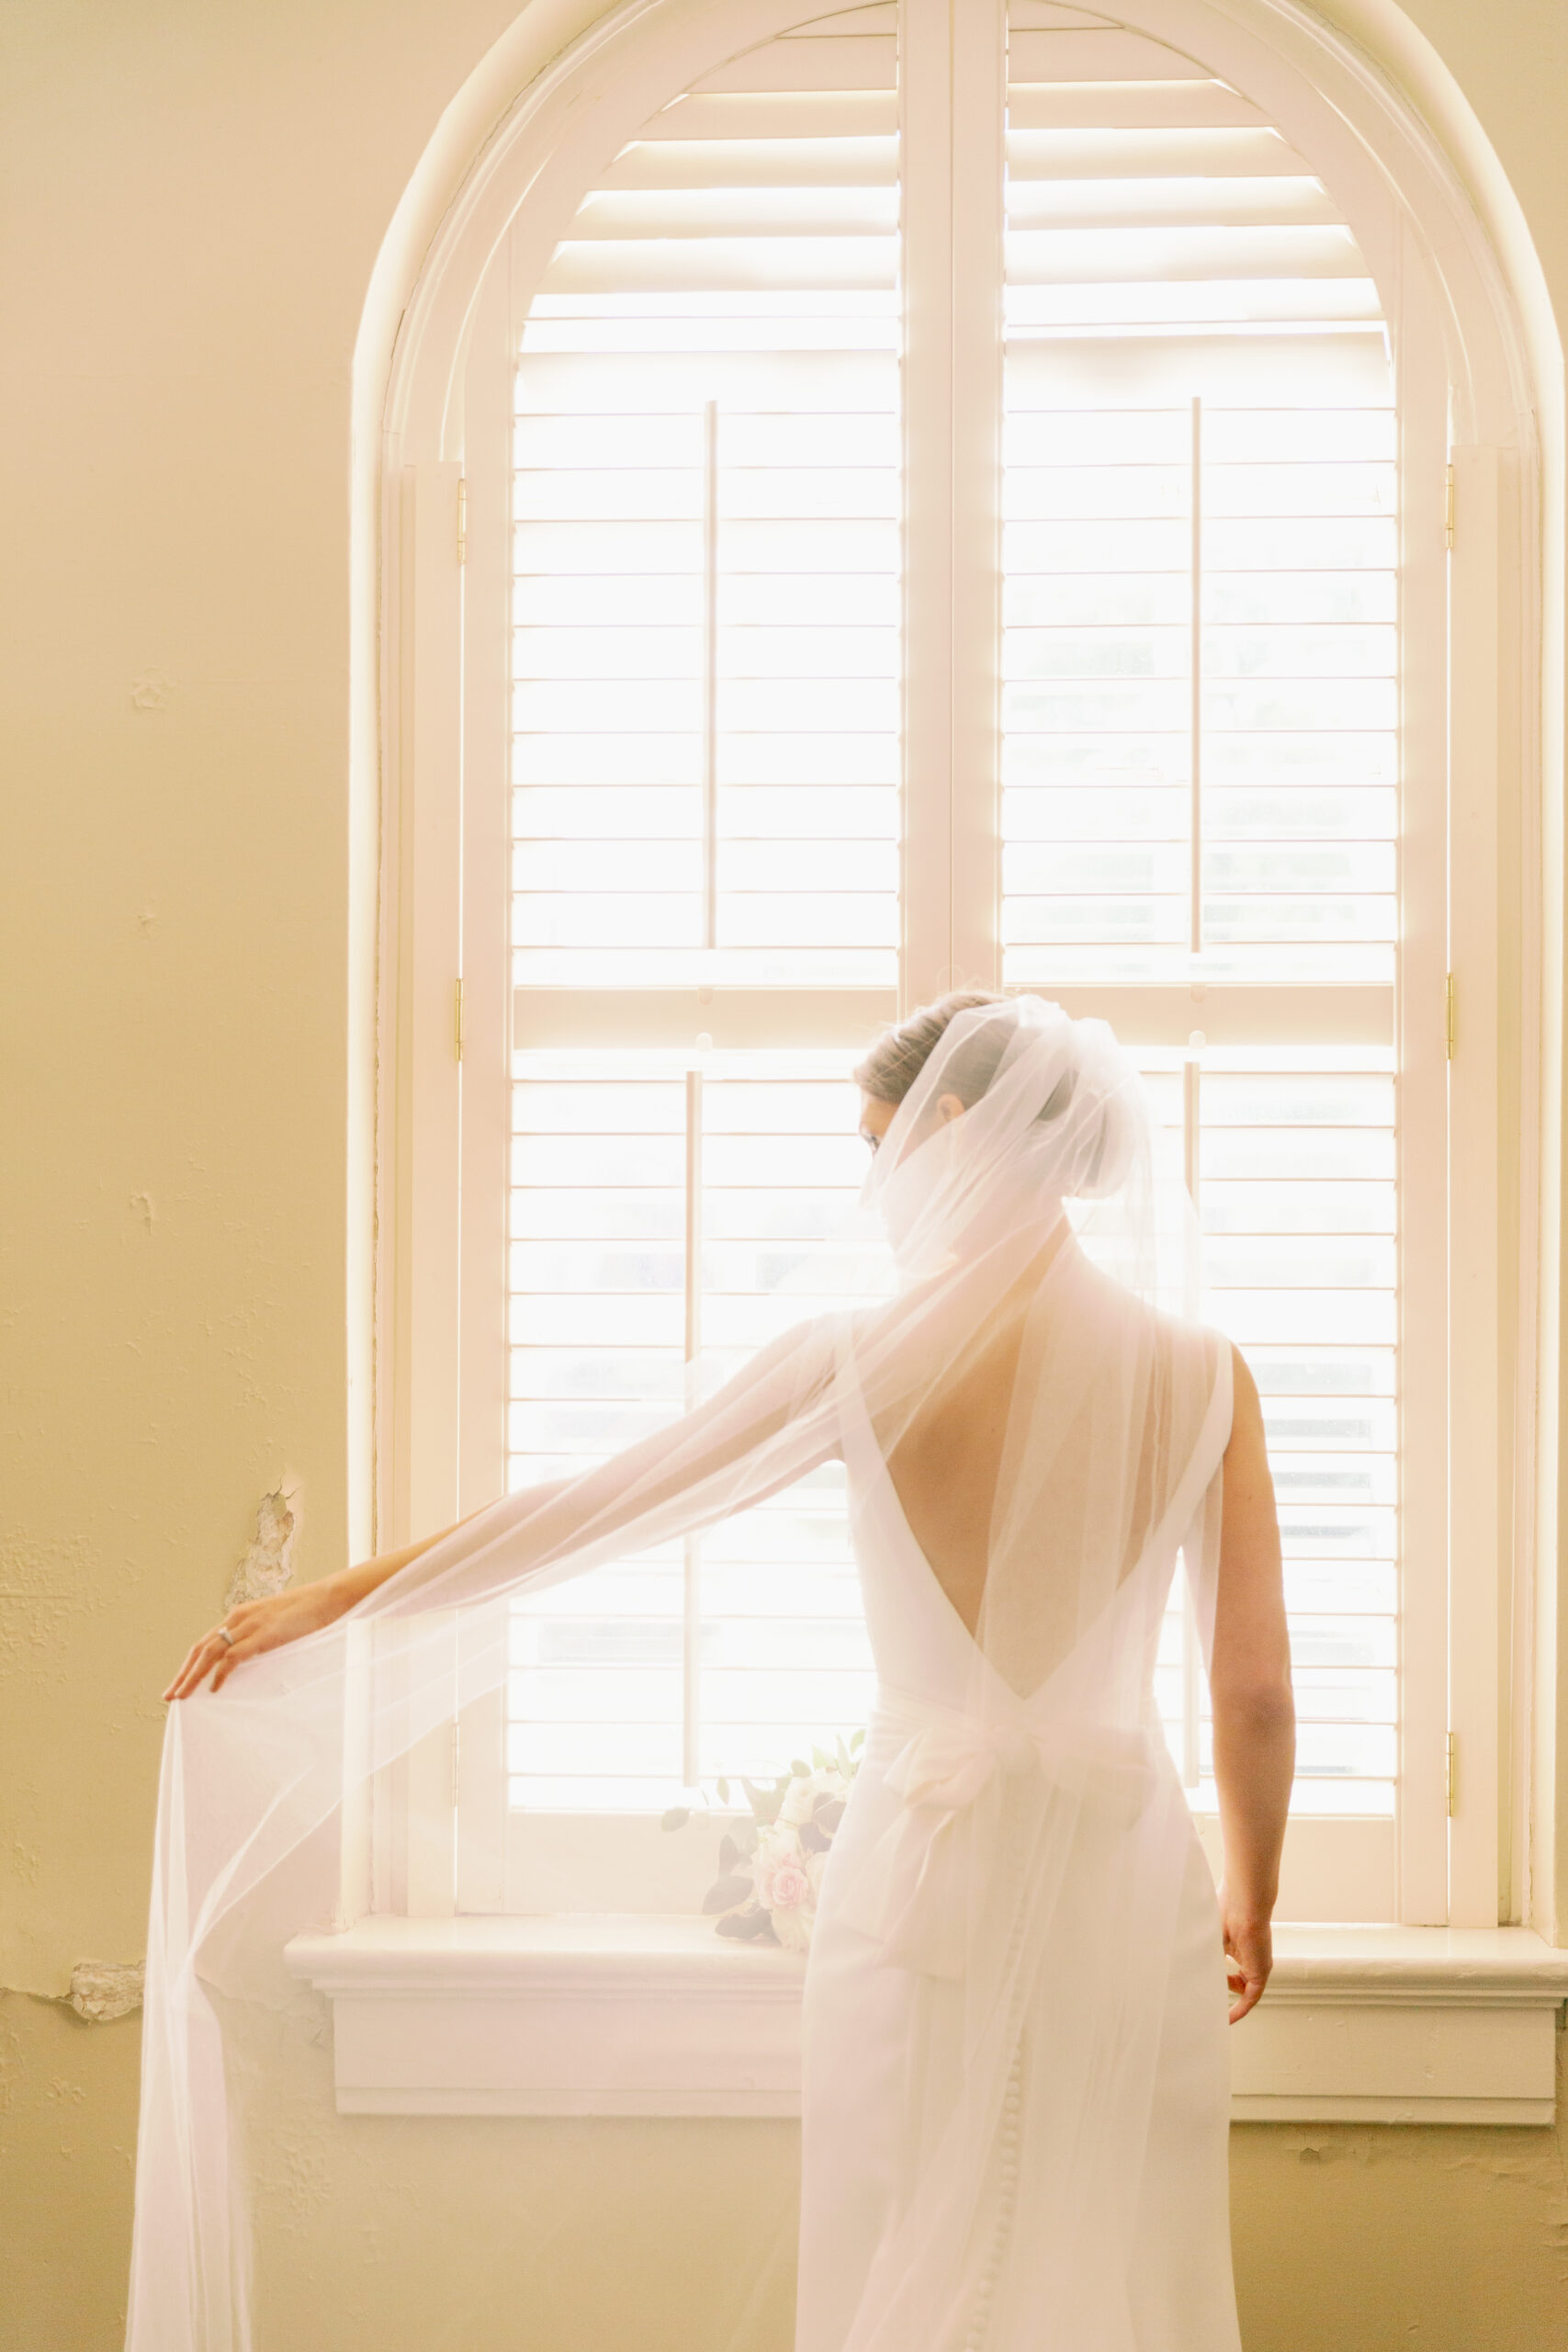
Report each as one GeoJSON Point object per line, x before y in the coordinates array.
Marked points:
{"type": "Point", "coordinates": [687, 1460]}
{"type": "Point", "coordinates": [1255, 1721]}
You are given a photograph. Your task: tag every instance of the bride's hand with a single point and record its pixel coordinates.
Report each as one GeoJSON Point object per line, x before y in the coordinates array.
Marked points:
{"type": "Point", "coordinates": [252, 1626]}
{"type": "Point", "coordinates": [1249, 1951]}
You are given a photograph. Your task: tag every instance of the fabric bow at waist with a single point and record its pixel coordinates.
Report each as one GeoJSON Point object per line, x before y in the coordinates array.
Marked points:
{"type": "Point", "coordinates": [951, 1774]}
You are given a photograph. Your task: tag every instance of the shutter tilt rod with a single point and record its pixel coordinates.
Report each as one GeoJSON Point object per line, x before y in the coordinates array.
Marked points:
{"type": "Point", "coordinates": [1195, 762]}
{"type": "Point", "coordinates": [691, 1594]}
{"type": "Point", "coordinates": [710, 674]}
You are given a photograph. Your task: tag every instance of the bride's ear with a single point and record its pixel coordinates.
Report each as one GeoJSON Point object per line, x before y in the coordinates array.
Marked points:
{"type": "Point", "coordinates": [948, 1108]}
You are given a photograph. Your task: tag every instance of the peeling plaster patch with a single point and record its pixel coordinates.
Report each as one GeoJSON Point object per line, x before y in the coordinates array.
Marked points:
{"type": "Point", "coordinates": [151, 690]}
{"type": "Point", "coordinates": [1338, 2145]}
{"type": "Point", "coordinates": [143, 1204]}
{"type": "Point", "coordinates": [102, 1990]}
{"type": "Point", "coordinates": [268, 1564]}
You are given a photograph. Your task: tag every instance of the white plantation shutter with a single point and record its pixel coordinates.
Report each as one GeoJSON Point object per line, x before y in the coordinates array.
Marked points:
{"type": "Point", "coordinates": [705, 771]}
{"type": "Point", "coordinates": [773, 773]}
{"type": "Point", "coordinates": [1199, 769]}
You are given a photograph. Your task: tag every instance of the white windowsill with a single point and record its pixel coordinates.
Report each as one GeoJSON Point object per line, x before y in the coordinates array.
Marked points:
{"type": "Point", "coordinates": [654, 2014]}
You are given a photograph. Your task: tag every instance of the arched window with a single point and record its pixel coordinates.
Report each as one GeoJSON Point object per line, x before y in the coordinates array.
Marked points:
{"type": "Point", "coordinates": [938, 497]}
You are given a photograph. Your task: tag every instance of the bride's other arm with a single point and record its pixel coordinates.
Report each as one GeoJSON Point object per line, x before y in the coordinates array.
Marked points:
{"type": "Point", "coordinates": [1255, 1715]}
{"type": "Point", "coordinates": [543, 1521]}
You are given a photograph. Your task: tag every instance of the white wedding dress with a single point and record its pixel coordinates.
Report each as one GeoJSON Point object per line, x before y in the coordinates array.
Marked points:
{"type": "Point", "coordinates": [1020, 2088]}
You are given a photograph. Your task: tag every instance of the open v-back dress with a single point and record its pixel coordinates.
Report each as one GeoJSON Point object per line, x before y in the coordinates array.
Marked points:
{"type": "Point", "coordinates": [1016, 2086]}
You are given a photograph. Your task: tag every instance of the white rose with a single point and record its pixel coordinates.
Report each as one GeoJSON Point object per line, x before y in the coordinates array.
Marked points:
{"type": "Point", "coordinates": [802, 1797]}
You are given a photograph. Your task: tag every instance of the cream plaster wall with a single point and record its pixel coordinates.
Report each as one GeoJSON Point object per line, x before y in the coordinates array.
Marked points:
{"type": "Point", "coordinates": [196, 194]}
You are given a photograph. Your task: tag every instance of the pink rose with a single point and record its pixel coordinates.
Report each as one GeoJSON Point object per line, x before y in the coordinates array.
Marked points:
{"type": "Point", "coordinates": [786, 1887]}
{"type": "Point", "coordinates": [790, 1888]}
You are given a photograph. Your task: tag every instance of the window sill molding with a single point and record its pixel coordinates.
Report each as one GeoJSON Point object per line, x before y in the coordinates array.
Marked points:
{"type": "Point", "coordinates": [655, 2015]}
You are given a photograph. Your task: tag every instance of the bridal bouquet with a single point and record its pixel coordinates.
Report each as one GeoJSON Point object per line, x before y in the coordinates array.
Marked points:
{"type": "Point", "coordinates": [771, 1867]}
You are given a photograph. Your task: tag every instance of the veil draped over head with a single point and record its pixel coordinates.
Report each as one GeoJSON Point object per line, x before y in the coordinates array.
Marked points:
{"type": "Point", "coordinates": [1026, 1827]}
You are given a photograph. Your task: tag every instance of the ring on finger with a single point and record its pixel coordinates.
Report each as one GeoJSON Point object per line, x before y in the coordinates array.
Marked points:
{"type": "Point", "coordinates": [225, 1636]}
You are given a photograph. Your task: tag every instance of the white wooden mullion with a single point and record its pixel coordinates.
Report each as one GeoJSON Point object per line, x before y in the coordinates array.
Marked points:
{"type": "Point", "coordinates": [431, 1775]}
{"type": "Point", "coordinates": [1475, 1432]}
{"type": "Point", "coordinates": [427, 1142]}
{"type": "Point", "coordinates": [486, 879]}
{"type": "Point", "coordinates": [1424, 1468]}
{"type": "Point", "coordinates": [734, 1019]}
{"type": "Point", "coordinates": [478, 1766]}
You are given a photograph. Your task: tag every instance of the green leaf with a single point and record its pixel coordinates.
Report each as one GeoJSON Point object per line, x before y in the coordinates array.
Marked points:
{"type": "Point", "coordinates": [857, 1739]}
{"type": "Point", "coordinates": [765, 1802]}
{"type": "Point", "coordinates": [800, 1771]}
{"type": "Point", "coordinates": [751, 1925]}
{"type": "Point", "coordinates": [676, 1818]}
{"type": "Point", "coordinates": [725, 1893]}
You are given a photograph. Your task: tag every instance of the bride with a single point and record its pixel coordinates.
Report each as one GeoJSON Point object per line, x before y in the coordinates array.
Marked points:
{"type": "Point", "coordinates": [1015, 2092]}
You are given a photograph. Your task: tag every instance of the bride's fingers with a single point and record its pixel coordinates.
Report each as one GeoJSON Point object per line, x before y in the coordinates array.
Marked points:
{"type": "Point", "coordinates": [1247, 1985]}
{"type": "Point", "coordinates": [192, 1671]}
{"type": "Point", "coordinates": [173, 1690]}
{"type": "Point", "coordinates": [205, 1655]}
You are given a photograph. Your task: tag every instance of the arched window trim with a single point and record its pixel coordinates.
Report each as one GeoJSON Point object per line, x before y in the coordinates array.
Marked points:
{"type": "Point", "coordinates": [1319, 88]}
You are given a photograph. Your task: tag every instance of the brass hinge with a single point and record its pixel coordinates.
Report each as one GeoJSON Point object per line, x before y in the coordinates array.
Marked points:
{"type": "Point", "coordinates": [458, 1019]}
{"type": "Point", "coordinates": [1450, 1015]}
{"type": "Point", "coordinates": [463, 518]}
{"type": "Point", "coordinates": [1448, 509]}
{"type": "Point", "coordinates": [1450, 1774]}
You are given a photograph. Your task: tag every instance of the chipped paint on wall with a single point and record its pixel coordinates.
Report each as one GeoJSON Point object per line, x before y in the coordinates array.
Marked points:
{"type": "Point", "coordinates": [102, 1990]}
{"type": "Point", "coordinates": [268, 1564]}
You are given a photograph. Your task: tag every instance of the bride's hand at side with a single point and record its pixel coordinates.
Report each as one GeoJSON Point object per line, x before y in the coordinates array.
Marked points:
{"type": "Point", "coordinates": [1250, 1954]}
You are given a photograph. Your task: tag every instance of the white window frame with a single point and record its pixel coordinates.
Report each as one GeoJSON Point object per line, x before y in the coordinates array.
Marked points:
{"type": "Point", "coordinates": [437, 1316]}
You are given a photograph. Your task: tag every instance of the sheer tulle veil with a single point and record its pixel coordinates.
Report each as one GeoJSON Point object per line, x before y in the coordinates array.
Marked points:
{"type": "Point", "coordinates": [1039, 1826]}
